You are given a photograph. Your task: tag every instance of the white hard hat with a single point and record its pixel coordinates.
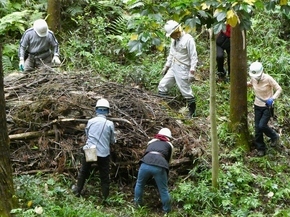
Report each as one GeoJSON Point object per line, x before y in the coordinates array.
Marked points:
{"type": "Point", "coordinates": [165, 132]}
{"type": "Point", "coordinates": [170, 26]}
{"type": "Point", "coordinates": [103, 103]}
{"type": "Point", "coordinates": [256, 69]}
{"type": "Point", "coordinates": [40, 27]}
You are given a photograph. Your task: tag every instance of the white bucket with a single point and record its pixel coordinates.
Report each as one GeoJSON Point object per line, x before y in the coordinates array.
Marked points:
{"type": "Point", "coordinates": [90, 153]}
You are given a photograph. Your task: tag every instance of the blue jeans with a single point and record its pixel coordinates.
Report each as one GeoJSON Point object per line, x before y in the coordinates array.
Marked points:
{"type": "Point", "coordinates": [160, 175]}
{"type": "Point", "coordinates": [262, 117]}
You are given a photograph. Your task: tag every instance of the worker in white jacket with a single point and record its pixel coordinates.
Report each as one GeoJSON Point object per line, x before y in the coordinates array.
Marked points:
{"type": "Point", "coordinates": [181, 64]}
{"type": "Point", "coordinates": [38, 46]}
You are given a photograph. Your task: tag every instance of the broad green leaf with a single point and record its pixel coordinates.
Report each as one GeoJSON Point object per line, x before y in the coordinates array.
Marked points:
{"type": "Point", "coordinates": [217, 12]}
{"type": "Point", "coordinates": [190, 24]}
{"type": "Point", "coordinates": [157, 17]}
{"type": "Point", "coordinates": [203, 14]}
{"type": "Point", "coordinates": [270, 5]}
{"type": "Point", "coordinates": [221, 16]}
{"type": "Point", "coordinates": [156, 41]}
{"type": "Point", "coordinates": [246, 8]}
{"type": "Point", "coordinates": [286, 10]}
{"type": "Point", "coordinates": [217, 28]}
{"type": "Point", "coordinates": [145, 36]}
{"type": "Point", "coordinates": [134, 46]}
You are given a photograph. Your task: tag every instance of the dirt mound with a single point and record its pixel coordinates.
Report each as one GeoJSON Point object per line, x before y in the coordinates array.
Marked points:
{"type": "Point", "coordinates": [47, 112]}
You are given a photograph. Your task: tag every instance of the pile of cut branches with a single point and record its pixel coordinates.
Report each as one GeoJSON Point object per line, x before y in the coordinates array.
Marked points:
{"type": "Point", "coordinates": [47, 112]}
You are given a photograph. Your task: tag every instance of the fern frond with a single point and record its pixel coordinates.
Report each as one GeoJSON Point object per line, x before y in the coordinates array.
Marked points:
{"type": "Point", "coordinates": [3, 2]}
{"type": "Point", "coordinates": [14, 21]}
{"type": "Point", "coordinates": [75, 10]}
{"type": "Point", "coordinates": [6, 63]}
{"type": "Point", "coordinates": [118, 26]}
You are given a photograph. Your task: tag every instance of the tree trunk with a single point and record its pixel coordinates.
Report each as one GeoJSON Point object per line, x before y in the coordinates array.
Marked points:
{"type": "Point", "coordinates": [6, 180]}
{"type": "Point", "coordinates": [214, 138]}
{"type": "Point", "coordinates": [238, 96]}
{"type": "Point", "coordinates": [53, 11]}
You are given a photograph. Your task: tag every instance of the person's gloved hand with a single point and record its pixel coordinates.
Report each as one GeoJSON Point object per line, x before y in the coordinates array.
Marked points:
{"type": "Point", "coordinates": [21, 65]}
{"type": "Point", "coordinates": [56, 60]}
{"type": "Point", "coordinates": [164, 70]}
{"type": "Point", "coordinates": [269, 102]}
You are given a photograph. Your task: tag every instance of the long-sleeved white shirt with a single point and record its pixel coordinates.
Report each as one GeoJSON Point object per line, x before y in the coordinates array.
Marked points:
{"type": "Point", "coordinates": [183, 51]}
{"type": "Point", "coordinates": [264, 89]}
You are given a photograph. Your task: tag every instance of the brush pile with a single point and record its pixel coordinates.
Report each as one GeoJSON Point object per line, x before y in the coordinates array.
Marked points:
{"type": "Point", "coordinates": [47, 112]}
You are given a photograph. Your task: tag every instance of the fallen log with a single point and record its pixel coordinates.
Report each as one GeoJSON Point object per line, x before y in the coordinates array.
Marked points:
{"type": "Point", "coordinates": [6, 89]}
{"type": "Point", "coordinates": [178, 162]}
{"type": "Point", "coordinates": [31, 135]}
{"type": "Point", "coordinates": [84, 120]}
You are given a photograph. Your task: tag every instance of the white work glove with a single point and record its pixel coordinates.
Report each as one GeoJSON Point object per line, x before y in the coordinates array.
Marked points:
{"type": "Point", "coordinates": [21, 64]}
{"type": "Point", "coordinates": [56, 60]}
{"type": "Point", "coordinates": [164, 70]}
{"type": "Point", "coordinates": [191, 77]}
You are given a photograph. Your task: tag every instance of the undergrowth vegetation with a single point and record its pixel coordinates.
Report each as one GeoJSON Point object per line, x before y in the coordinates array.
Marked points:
{"type": "Point", "coordinates": [248, 186]}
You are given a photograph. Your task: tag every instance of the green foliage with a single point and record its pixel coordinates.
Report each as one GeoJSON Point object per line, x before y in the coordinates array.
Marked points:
{"type": "Point", "coordinates": [241, 193]}
{"type": "Point", "coordinates": [148, 18]}
{"type": "Point", "coordinates": [283, 6]}
{"type": "Point", "coordinates": [6, 63]}
{"type": "Point", "coordinates": [3, 2]}
{"type": "Point", "coordinates": [274, 63]}
{"type": "Point", "coordinates": [51, 195]}
{"type": "Point", "coordinates": [149, 33]}
{"type": "Point", "coordinates": [14, 22]}
{"type": "Point", "coordinates": [9, 56]}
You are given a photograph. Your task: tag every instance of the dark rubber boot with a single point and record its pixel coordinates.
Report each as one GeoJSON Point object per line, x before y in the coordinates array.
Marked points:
{"type": "Point", "coordinates": [77, 189]}
{"type": "Point", "coordinates": [105, 194]}
{"type": "Point", "coordinates": [191, 107]}
{"type": "Point", "coordinates": [83, 175]}
{"type": "Point", "coordinates": [164, 95]}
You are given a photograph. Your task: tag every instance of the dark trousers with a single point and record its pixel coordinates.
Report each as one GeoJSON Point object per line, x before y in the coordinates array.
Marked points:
{"type": "Point", "coordinates": [262, 117]}
{"type": "Point", "coordinates": [34, 62]}
{"type": "Point", "coordinates": [104, 169]}
{"type": "Point", "coordinates": [220, 56]}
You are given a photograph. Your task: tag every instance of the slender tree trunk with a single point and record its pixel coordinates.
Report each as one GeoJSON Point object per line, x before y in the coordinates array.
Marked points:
{"type": "Point", "coordinates": [238, 97]}
{"type": "Point", "coordinates": [214, 138]}
{"type": "Point", "coordinates": [6, 180]}
{"type": "Point", "coordinates": [53, 11]}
